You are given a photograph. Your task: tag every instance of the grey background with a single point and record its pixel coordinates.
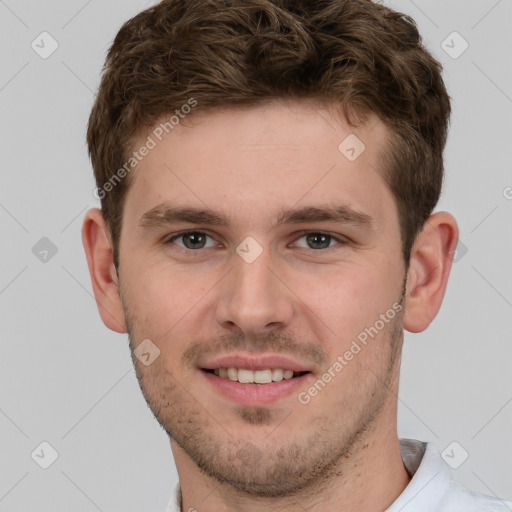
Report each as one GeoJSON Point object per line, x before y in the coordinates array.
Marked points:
{"type": "Point", "coordinates": [67, 380]}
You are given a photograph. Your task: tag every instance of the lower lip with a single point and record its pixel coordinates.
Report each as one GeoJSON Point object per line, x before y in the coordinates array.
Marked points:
{"type": "Point", "coordinates": [256, 394]}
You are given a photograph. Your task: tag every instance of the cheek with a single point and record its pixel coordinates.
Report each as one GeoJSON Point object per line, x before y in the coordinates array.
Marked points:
{"type": "Point", "coordinates": [354, 300]}
{"type": "Point", "coordinates": [149, 303]}
{"type": "Point", "coordinates": [159, 290]}
{"type": "Point", "coordinates": [165, 304]}
{"type": "Point", "coordinates": [355, 297]}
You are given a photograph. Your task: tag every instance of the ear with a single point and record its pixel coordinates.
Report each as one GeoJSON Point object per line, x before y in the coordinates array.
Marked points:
{"type": "Point", "coordinates": [429, 269]}
{"type": "Point", "coordinates": [99, 253]}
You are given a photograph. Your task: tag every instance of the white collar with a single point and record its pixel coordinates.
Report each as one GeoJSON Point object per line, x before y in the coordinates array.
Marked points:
{"type": "Point", "coordinates": [431, 489]}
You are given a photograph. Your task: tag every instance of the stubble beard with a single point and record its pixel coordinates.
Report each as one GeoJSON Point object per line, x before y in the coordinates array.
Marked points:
{"type": "Point", "coordinates": [276, 467]}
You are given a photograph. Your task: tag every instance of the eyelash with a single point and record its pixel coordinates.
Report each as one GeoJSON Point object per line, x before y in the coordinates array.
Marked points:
{"type": "Point", "coordinates": [341, 241]}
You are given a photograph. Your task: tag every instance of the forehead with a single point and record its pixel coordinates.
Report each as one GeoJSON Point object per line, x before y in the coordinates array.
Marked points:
{"type": "Point", "coordinates": [262, 159]}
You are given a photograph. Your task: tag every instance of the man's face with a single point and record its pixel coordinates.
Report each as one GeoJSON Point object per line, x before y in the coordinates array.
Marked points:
{"type": "Point", "coordinates": [257, 294]}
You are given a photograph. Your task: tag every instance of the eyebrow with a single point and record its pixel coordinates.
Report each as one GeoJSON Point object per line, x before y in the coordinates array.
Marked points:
{"type": "Point", "coordinates": [166, 213]}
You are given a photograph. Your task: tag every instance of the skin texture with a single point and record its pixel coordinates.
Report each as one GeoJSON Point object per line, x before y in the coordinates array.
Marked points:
{"type": "Point", "coordinates": [340, 451]}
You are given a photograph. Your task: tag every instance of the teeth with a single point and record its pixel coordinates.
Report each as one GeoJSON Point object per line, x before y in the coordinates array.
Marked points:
{"type": "Point", "coordinates": [232, 374]}
{"type": "Point", "coordinates": [277, 374]}
{"type": "Point", "coordinates": [262, 376]}
{"type": "Point", "coordinates": [245, 376]}
{"type": "Point", "coordinates": [250, 376]}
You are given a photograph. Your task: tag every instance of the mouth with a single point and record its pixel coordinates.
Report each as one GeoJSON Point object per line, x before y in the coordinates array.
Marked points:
{"type": "Point", "coordinates": [260, 377]}
{"type": "Point", "coordinates": [252, 380]}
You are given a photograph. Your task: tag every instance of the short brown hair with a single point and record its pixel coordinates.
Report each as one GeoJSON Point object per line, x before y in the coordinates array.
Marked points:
{"type": "Point", "coordinates": [357, 55]}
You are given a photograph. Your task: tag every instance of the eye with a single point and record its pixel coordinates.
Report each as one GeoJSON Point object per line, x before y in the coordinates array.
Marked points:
{"type": "Point", "coordinates": [195, 240]}
{"type": "Point", "coordinates": [318, 240]}
{"type": "Point", "coordinates": [192, 240]}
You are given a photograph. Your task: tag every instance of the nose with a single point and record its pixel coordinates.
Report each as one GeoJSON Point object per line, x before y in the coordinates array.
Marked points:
{"type": "Point", "coordinates": [254, 298]}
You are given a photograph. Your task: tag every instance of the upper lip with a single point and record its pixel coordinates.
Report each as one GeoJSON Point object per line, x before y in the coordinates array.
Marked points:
{"type": "Point", "coordinates": [255, 362]}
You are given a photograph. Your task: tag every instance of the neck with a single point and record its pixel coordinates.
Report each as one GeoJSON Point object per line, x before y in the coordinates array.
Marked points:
{"type": "Point", "coordinates": [369, 480]}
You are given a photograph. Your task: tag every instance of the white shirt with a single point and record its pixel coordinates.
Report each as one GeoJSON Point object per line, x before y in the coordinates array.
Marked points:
{"type": "Point", "coordinates": [431, 489]}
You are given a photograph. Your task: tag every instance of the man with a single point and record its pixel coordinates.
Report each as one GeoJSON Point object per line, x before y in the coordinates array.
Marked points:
{"type": "Point", "coordinates": [267, 171]}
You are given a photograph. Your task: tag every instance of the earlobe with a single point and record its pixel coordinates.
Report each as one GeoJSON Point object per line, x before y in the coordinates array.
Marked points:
{"type": "Point", "coordinates": [99, 253]}
{"type": "Point", "coordinates": [429, 269]}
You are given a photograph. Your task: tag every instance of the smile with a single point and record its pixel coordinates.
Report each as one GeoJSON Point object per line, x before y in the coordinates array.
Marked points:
{"type": "Point", "coordinates": [247, 376]}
